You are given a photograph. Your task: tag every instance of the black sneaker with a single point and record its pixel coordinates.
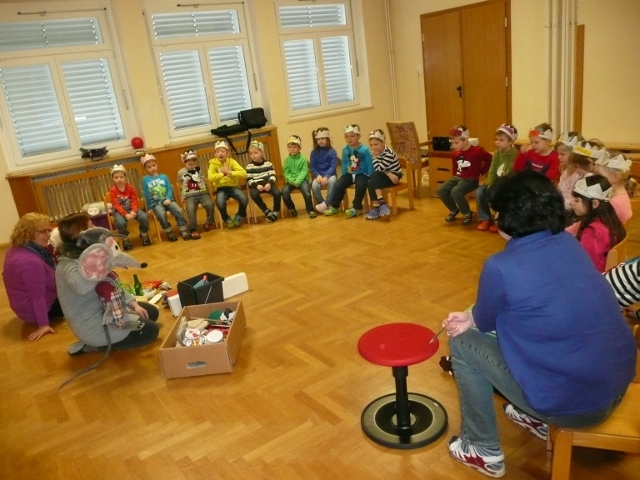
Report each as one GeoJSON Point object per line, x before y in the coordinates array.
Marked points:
{"type": "Point", "coordinates": [452, 216]}
{"type": "Point", "coordinates": [185, 235]}
{"type": "Point", "coordinates": [293, 212]}
{"type": "Point", "coordinates": [126, 245]}
{"type": "Point", "coordinates": [172, 237]}
{"type": "Point", "coordinates": [468, 217]}
{"type": "Point", "coordinates": [146, 241]}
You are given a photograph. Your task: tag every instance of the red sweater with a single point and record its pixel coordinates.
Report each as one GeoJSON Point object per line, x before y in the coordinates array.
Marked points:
{"type": "Point", "coordinates": [124, 202]}
{"type": "Point", "coordinates": [470, 163]}
{"type": "Point", "coordinates": [547, 164]}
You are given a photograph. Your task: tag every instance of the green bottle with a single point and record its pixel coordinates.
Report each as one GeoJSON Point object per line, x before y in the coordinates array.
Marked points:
{"type": "Point", "coordinates": [137, 287]}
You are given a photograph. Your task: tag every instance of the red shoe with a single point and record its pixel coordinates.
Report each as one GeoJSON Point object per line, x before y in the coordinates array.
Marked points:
{"type": "Point", "coordinates": [484, 225]}
{"type": "Point", "coordinates": [493, 228]}
{"type": "Point", "coordinates": [207, 227]}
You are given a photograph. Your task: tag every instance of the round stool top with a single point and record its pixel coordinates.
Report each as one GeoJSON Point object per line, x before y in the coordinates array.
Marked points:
{"type": "Point", "coordinates": [397, 344]}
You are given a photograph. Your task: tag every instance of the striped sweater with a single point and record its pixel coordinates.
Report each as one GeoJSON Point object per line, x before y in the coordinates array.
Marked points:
{"type": "Point", "coordinates": [387, 161]}
{"type": "Point", "coordinates": [260, 174]}
{"type": "Point", "coordinates": [625, 280]}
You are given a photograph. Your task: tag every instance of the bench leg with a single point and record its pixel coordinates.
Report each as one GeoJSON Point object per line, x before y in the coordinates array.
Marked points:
{"type": "Point", "coordinates": [561, 460]}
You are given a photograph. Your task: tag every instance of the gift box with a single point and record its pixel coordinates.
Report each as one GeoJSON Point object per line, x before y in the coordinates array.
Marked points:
{"type": "Point", "coordinates": [179, 361]}
{"type": "Point", "coordinates": [194, 291]}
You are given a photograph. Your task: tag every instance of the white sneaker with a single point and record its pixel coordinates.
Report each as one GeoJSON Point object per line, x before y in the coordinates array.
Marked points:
{"type": "Point", "coordinates": [321, 207]}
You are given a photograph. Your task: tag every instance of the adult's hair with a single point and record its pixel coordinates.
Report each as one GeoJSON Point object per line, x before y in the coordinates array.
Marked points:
{"type": "Point", "coordinates": [27, 227]}
{"type": "Point", "coordinates": [543, 127]}
{"type": "Point", "coordinates": [527, 202]}
{"type": "Point", "coordinates": [315, 140]}
{"type": "Point", "coordinates": [71, 226]}
{"type": "Point", "coordinates": [604, 211]}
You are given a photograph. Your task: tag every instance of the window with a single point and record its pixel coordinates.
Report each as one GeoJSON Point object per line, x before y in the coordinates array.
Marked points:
{"type": "Point", "coordinates": [60, 88]}
{"type": "Point", "coordinates": [318, 51]}
{"type": "Point", "coordinates": [203, 59]}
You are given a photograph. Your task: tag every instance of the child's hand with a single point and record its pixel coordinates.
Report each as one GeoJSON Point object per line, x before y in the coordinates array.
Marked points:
{"type": "Point", "coordinates": [632, 314]}
{"type": "Point", "coordinates": [324, 181]}
{"type": "Point", "coordinates": [166, 202]}
{"type": "Point", "coordinates": [457, 323]}
{"type": "Point", "coordinates": [129, 216]}
{"type": "Point", "coordinates": [525, 148]}
{"type": "Point", "coordinates": [134, 214]}
{"type": "Point", "coordinates": [140, 311]}
{"type": "Point", "coordinates": [260, 188]}
{"type": "Point", "coordinates": [267, 187]}
{"type": "Point", "coordinates": [393, 177]}
{"type": "Point", "coordinates": [225, 170]}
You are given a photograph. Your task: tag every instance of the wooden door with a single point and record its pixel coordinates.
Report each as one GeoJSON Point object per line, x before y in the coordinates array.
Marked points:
{"type": "Point", "coordinates": [467, 48]}
{"type": "Point", "coordinates": [442, 58]}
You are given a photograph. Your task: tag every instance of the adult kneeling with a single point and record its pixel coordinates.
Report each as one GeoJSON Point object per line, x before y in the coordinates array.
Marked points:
{"type": "Point", "coordinates": [29, 274]}
{"type": "Point", "coordinates": [90, 304]}
{"type": "Point", "coordinates": [561, 352]}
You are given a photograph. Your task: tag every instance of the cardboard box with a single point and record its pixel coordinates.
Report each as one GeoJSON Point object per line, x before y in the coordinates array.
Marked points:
{"type": "Point", "coordinates": [180, 361]}
{"type": "Point", "coordinates": [210, 292]}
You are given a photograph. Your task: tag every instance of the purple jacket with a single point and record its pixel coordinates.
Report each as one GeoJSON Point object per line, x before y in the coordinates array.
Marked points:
{"type": "Point", "coordinates": [30, 284]}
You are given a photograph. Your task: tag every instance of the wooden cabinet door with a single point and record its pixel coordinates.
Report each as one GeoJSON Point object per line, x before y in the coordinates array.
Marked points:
{"type": "Point", "coordinates": [466, 69]}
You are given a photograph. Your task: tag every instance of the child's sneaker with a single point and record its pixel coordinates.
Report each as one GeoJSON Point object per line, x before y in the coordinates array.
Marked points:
{"type": "Point", "coordinates": [195, 236]}
{"type": "Point", "coordinates": [373, 214]}
{"type": "Point", "coordinates": [384, 209]}
{"type": "Point", "coordinates": [172, 237]}
{"type": "Point", "coordinates": [535, 426]}
{"type": "Point", "coordinates": [185, 235]}
{"type": "Point", "coordinates": [313, 214]}
{"type": "Point", "coordinates": [322, 207]}
{"type": "Point", "coordinates": [268, 215]}
{"type": "Point", "coordinates": [484, 225]}
{"type": "Point", "coordinates": [126, 245]}
{"type": "Point", "coordinates": [231, 223]}
{"type": "Point", "coordinates": [487, 461]}
{"type": "Point", "coordinates": [207, 227]}
{"type": "Point", "coordinates": [293, 212]}
{"type": "Point", "coordinates": [331, 211]}
{"type": "Point", "coordinates": [452, 216]}
{"type": "Point", "coordinates": [237, 220]}
{"type": "Point", "coordinates": [351, 213]}
{"type": "Point", "coordinates": [493, 228]}
{"type": "Point", "coordinates": [146, 241]}
{"type": "Point", "coordinates": [467, 218]}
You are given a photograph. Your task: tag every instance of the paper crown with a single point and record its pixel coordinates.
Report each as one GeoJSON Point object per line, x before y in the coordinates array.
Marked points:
{"type": "Point", "coordinates": [594, 191]}
{"type": "Point", "coordinates": [588, 150]}
{"type": "Point", "coordinates": [221, 144]}
{"type": "Point", "coordinates": [352, 129]}
{"type": "Point", "coordinates": [189, 155]}
{"type": "Point", "coordinates": [619, 162]}
{"type": "Point", "coordinates": [379, 135]}
{"type": "Point", "coordinates": [458, 132]}
{"type": "Point", "coordinates": [508, 130]}
{"type": "Point", "coordinates": [569, 142]}
{"type": "Point", "coordinates": [548, 134]}
{"type": "Point", "coordinates": [118, 168]}
{"type": "Point", "coordinates": [146, 158]}
{"type": "Point", "coordinates": [321, 134]}
{"type": "Point", "coordinates": [257, 144]}
{"type": "Point", "coordinates": [294, 139]}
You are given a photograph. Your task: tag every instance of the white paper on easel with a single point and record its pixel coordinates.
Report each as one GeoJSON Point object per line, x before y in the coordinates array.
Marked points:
{"type": "Point", "coordinates": [234, 285]}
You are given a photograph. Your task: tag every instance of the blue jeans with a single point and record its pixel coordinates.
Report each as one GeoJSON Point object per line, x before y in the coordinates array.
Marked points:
{"type": "Point", "coordinates": [173, 208]}
{"type": "Point", "coordinates": [478, 366]}
{"type": "Point", "coordinates": [316, 188]}
{"type": "Point", "coordinates": [340, 188]}
{"type": "Point", "coordinates": [304, 190]}
{"type": "Point", "coordinates": [141, 218]}
{"type": "Point", "coordinates": [225, 193]}
{"type": "Point", "coordinates": [453, 191]}
{"type": "Point", "coordinates": [482, 200]}
{"type": "Point", "coordinates": [192, 209]}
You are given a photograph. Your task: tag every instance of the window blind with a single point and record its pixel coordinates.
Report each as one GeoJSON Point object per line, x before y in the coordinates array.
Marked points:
{"type": "Point", "coordinates": [49, 34]}
{"type": "Point", "coordinates": [302, 74]}
{"type": "Point", "coordinates": [337, 69]}
{"type": "Point", "coordinates": [310, 16]}
{"type": "Point", "coordinates": [184, 84]}
{"type": "Point", "coordinates": [94, 104]}
{"type": "Point", "coordinates": [229, 75]}
{"type": "Point", "coordinates": [34, 109]}
{"type": "Point", "coordinates": [195, 24]}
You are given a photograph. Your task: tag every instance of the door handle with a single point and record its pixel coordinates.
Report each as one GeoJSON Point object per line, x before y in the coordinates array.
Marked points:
{"type": "Point", "coordinates": [459, 89]}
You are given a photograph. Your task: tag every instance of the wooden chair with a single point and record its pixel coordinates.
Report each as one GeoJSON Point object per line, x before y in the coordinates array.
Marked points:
{"type": "Point", "coordinates": [617, 254]}
{"type": "Point", "coordinates": [410, 171]}
{"type": "Point", "coordinates": [404, 140]}
{"type": "Point", "coordinates": [141, 205]}
{"type": "Point", "coordinates": [620, 432]}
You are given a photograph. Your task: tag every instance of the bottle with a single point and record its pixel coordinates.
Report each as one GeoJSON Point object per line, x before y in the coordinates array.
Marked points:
{"type": "Point", "coordinates": [137, 286]}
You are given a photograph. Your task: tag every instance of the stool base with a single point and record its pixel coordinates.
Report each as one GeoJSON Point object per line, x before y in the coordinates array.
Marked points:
{"type": "Point", "coordinates": [428, 422]}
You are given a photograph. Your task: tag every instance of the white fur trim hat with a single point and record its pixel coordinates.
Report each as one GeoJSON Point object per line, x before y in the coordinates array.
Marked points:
{"type": "Point", "coordinates": [189, 155]}
{"type": "Point", "coordinates": [379, 135]}
{"type": "Point", "coordinates": [321, 134]}
{"type": "Point", "coordinates": [294, 139]}
{"type": "Point", "coordinates": [146, 158]}
{"type": "Point", "coordinates": [352, 129]}
{"type": "Point", "coordinates": [118, 168]}
{"type": "Point", "coordinates": [594, 191]}
{"type": "Point", "coordinates": [221, 144]}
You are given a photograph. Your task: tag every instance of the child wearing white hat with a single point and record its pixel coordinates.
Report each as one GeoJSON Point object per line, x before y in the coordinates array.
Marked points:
{"type": "Point", "coordinates": [296, 175]}
{"type": "Point", "coordinates": [323, 161]}
{"type": "Point", "coordinates": [615, 167]}
{"type": "Point", "coordinates": [540, 155]}
{"type": "Point", "coordinates": [225, 174]}
{"type": "Point", "coordinates": [124, 201]}
{"type": "Point", "coordinates": [194, 192]}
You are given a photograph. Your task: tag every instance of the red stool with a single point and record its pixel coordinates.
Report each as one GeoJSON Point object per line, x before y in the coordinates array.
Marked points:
{"type": "Point", "coordinates": [401, 419]}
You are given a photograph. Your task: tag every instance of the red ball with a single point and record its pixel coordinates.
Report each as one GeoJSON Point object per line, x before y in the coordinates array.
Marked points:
{"type": "Point", "coordinates": [137, 142]}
